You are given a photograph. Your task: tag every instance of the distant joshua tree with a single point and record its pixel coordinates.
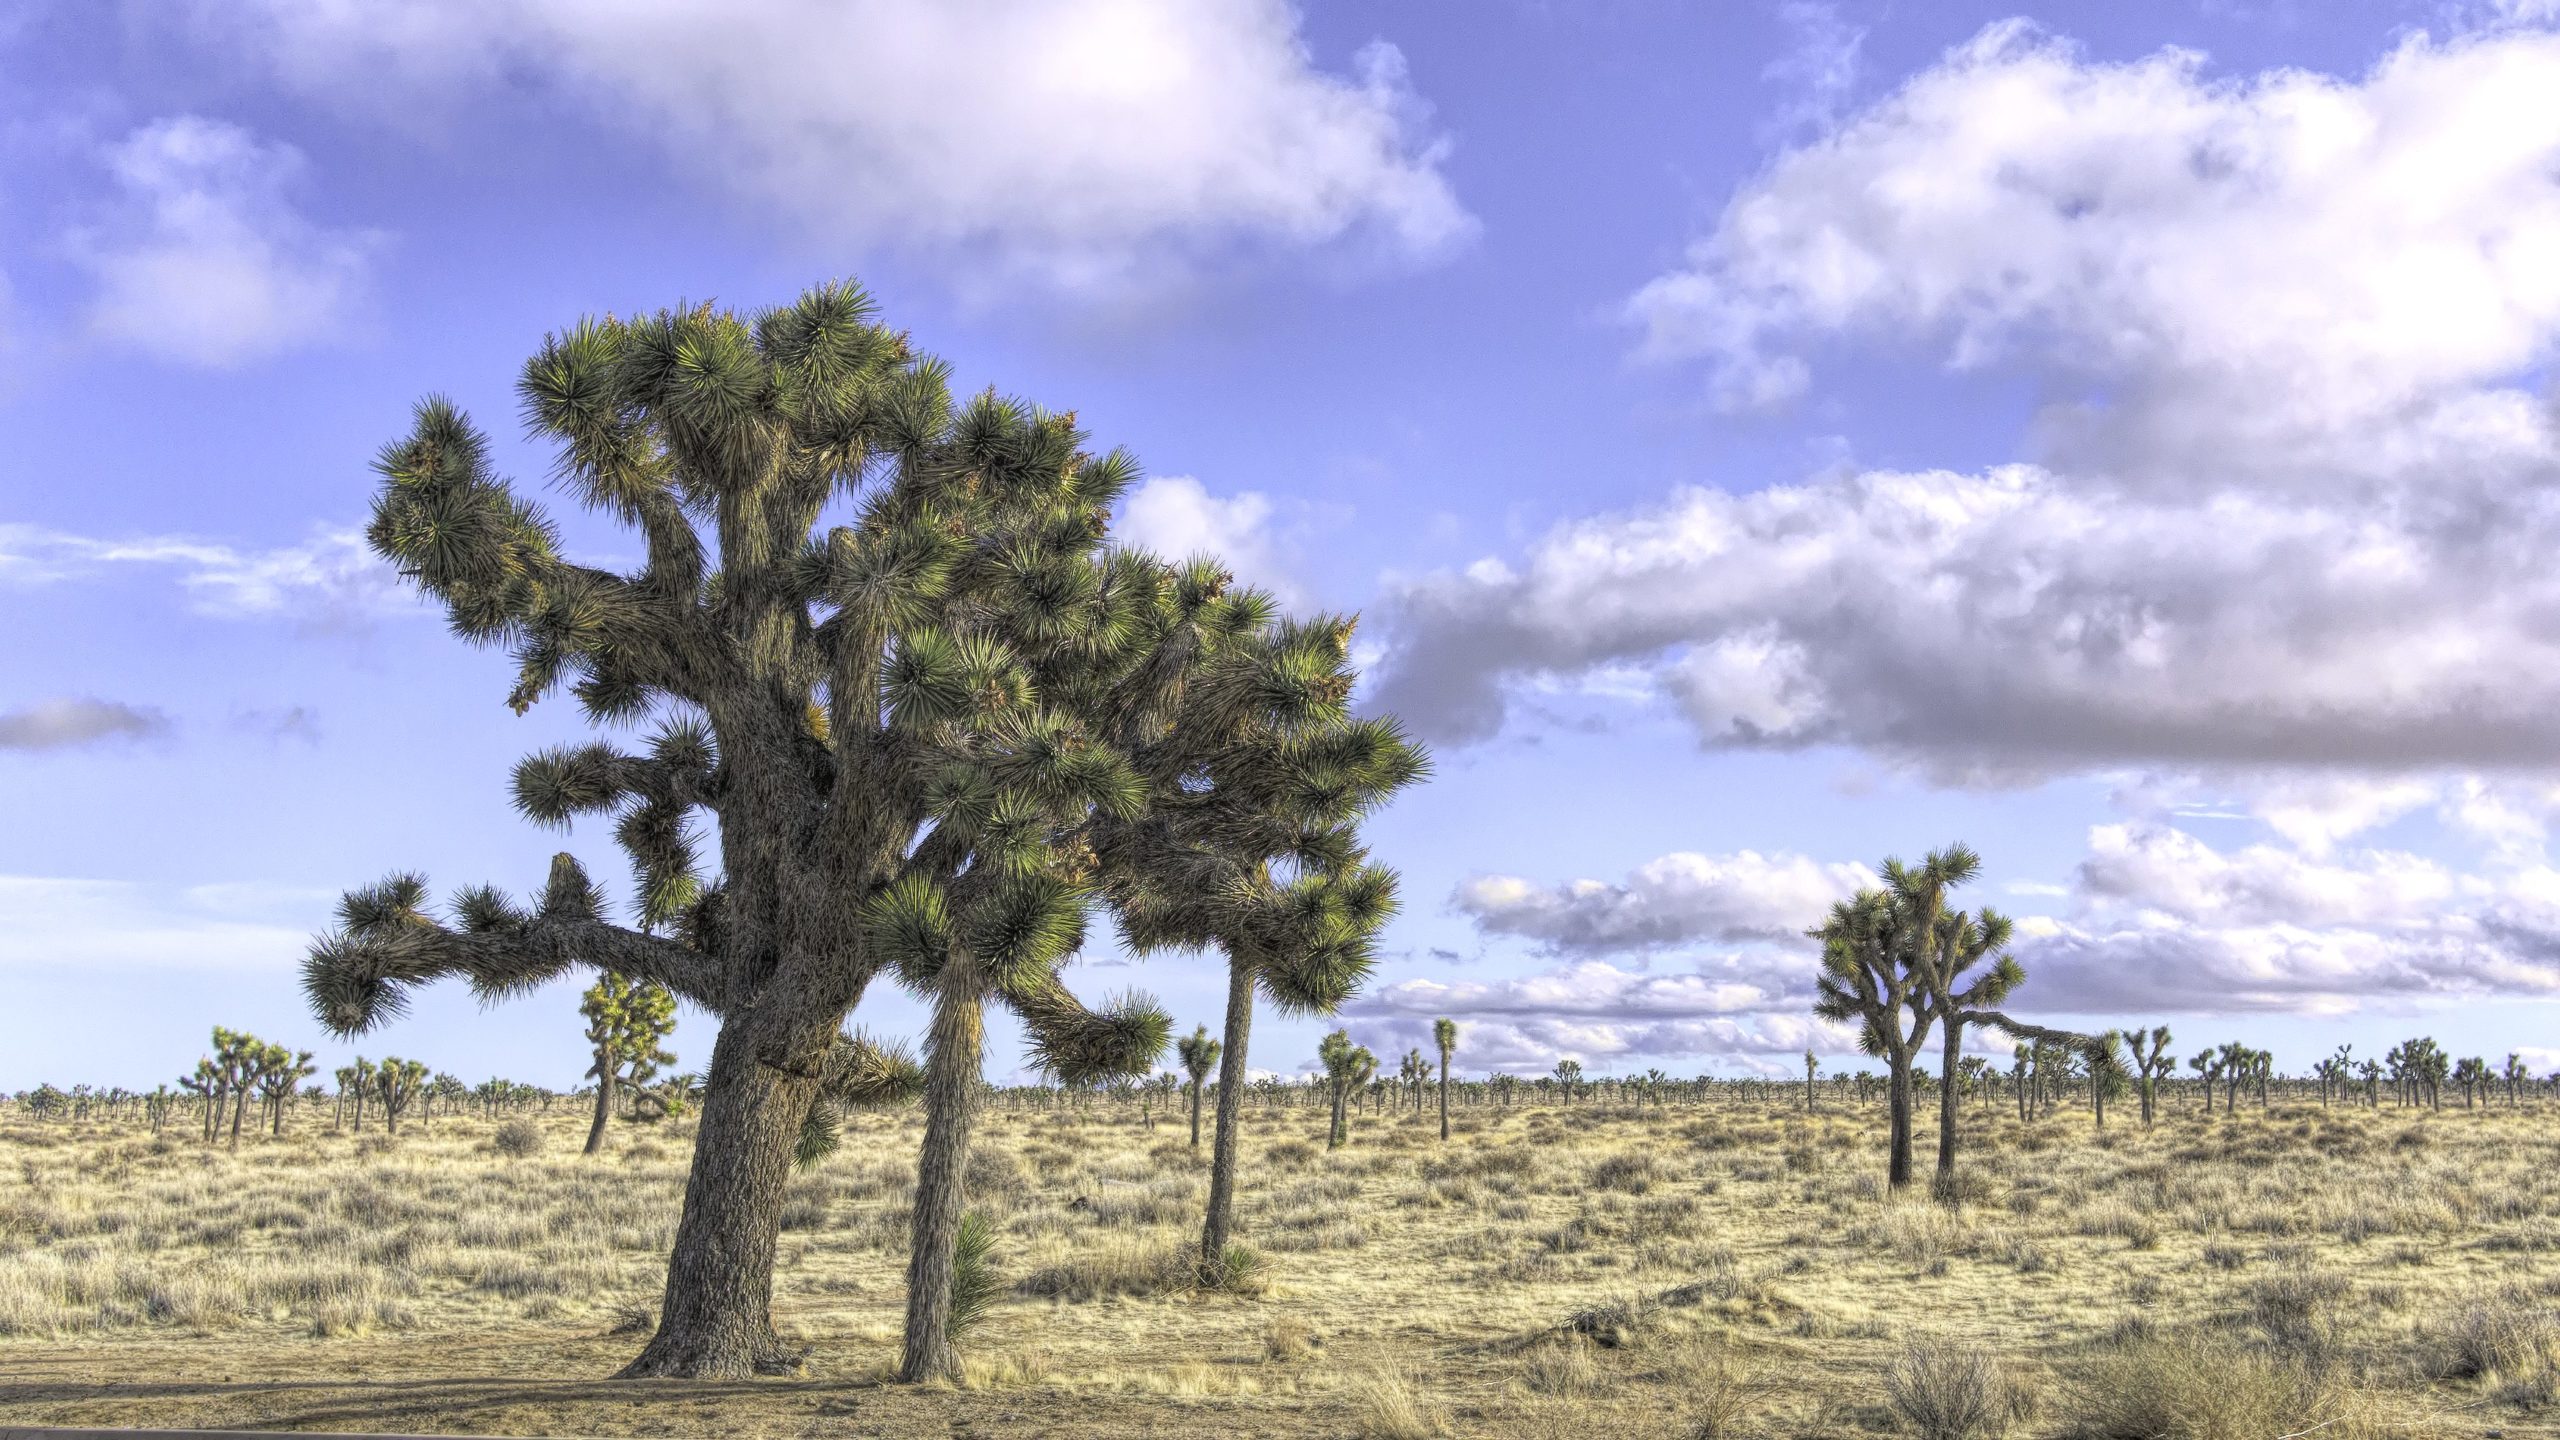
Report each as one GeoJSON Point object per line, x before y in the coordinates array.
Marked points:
{"type": "Point", "coordinates": [395, 1086]}
{"type": "Point", "coordinates": [1199, 1052]}
{"type": "Point", "coordinates": [1445, 1039]}
{"type": "Point", "coordinates": [627, 1023]}
{"type": "Point", "coordinates": [2422, 1068]}
{"type": "Point", "coordinates": [2474, 1077]}
{"type": "Point", "coordinates": [1411, 1072]}
{"type": "Point", "coordinates": [2208, 1068]}
{"type": "Point", "coordinates": [1347, 1067]}
{"type": "Point", "coordinates": [2151, 1062]}
{"type": "Point", "coordinates": [2105, 1056]}
{"type": "Point", "coordinates": [280, 1073]}
{"type": "Point", "coordinates": [2515, 1074]}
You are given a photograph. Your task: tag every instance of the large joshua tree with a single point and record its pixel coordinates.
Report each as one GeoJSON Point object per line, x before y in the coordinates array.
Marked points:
{"type": "Point", "coordinates": [906, 727]}
{"type": "Point", "coordinates": [1867, 980]}
{"type": "Point", "coordinates": [1898, 960]}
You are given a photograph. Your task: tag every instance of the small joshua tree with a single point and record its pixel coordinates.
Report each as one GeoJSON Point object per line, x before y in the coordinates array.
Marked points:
{"type": "Point", "coordinates": [627, 1025]}
{"type": "Point", "coordinates": [2151, 1062]}
{"type": "Point", "coordinates": [1199, 1052]}
{"type": "Point", "coordinates": [1445, 1039]}
{"type": "Point", "coordinates": [279, 1074]}
{"type": "Point", "coordinates": [1347, 1067]}
{"type": "Point", "coordinates": [395, 1085]}
{"type": "Point", "coordinates": [2474, 1077]}
{"type": "Point", "coordinates": [1411, 1074]}
{"type": "Point", "coordinates": [2105, 1056]}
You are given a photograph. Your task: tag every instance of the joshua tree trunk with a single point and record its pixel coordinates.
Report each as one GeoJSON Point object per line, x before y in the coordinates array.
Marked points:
{"type": "Point", "coordinates": [604, 1107]}
{"type": "Point", "coordinates": [1217, 1231]}
{"type": "Point", "coordinates": [1444, 1095]}
{"type": "Point", "coordinates": [1949, 1058]}
{"type": "Point", "coordinates": [952, 1072]}
{"type": "Point", "coordinates": [1195, 1113]}
{"type": "Point", "coordinates": [718, 1321]}
{"type": "Point", "coordinates": [1898, 1109]}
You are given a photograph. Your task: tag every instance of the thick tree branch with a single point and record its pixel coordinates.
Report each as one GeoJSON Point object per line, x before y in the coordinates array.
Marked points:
{"type": "Point", "coordinates": [357, 980]}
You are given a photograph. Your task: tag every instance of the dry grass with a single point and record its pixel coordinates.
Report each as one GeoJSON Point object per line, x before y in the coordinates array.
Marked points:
{"type": "Point", "coordinates": [1672, 1271]}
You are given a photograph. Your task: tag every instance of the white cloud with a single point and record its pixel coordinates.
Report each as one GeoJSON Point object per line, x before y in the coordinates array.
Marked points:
{"type": "Point", "coordinates": [333, 580]}
{"type": "Point", "coordinates": [88, 924]}
{"type": "Point", "coordinates": [2008, 625]}
{"type": "Point", "coordinates": [207, 262]}
{"type": "Point", "coordinates": [2169, 872]}
{"type": "Point", "coordinates": [2162, 922]}
{"type": "Point", "coordinates": [2313, 811]}
{"type": "Point", "coordinates": [2315, 275]}
{"type": "Point", "coordinates": [63, 724]}
{"type": "Point", "coordinates": [1094, 141]}
{"type": "Point", "coordinates": [1678, 899]}
{"type": "Point", "coordinates": [1175, 516]}
{"type": "Point", "coordinates": [1601, 1015]}
{"type": "Point", "coordinates": [2294, 502]}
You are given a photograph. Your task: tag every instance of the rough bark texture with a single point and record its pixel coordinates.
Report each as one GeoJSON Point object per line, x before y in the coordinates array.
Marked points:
{"type": "Point", "coordinates": [718, 1320]}
{"type": "Point", "coordinates": [1898, 1161]}
{"type": "Point", "coordinates": [1218, 1231]}
{"type": "Point", "coordinates": [952, 1070]}
{"type": "Point", "coordinates": [1949, 1059]}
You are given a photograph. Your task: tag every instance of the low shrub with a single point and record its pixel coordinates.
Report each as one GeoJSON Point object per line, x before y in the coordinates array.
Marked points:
{"type": "Point", "coordinates": [1947, 1390]}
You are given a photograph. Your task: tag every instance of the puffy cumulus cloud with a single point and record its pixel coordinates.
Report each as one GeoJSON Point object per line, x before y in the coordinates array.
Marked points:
{"type": "Point", "coordinates": [2007, 625]}
{"type": "Point", "coordinates": [65, 724]}
{"type": "Point", "coordinates": [2289, 512]}
{"type": "Point", "coordinates": [1681, 898]}
{"type": "Point", "coordinates": [2289, 266]}
{"type": "Point", "coordinates": [331, 581]}
{"type": "Point", "coordinates": [1738, 1009]}
{"type": "Point", "coordinates": [1176, 516]}
{"type": "Point", "coordinates": [206, 261]}
{"type": "Point", "coordinates": [2160, 921]}
{"type": "Point", "coordinates": [47, 921]}
{"type": "Point", "coordinates": [2165, 871]}
{"type": "Point", "coordinates": [1093, 141]}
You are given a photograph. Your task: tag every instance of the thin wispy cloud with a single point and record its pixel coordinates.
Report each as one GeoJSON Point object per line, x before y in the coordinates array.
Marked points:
{"type": "Point", "coordinates": [331, 580]}
{"type": "Point", "coordinates": [77, 723]}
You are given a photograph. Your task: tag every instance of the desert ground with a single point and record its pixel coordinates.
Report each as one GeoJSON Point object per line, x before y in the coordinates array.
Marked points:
{"type": "Point", "coordinates": [1722, 1268]}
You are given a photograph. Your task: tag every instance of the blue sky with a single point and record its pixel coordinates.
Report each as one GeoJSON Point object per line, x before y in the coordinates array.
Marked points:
{"type": "Point", "coordinates": [1759, 438]}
